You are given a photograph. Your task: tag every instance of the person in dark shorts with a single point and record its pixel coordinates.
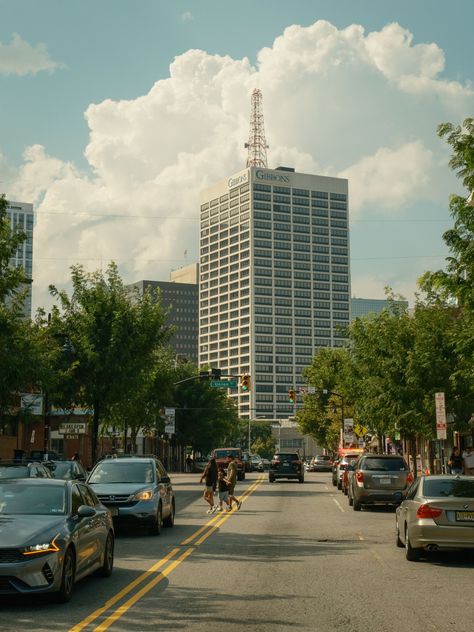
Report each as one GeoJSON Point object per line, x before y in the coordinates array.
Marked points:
{"type": "Point", "coordinates": [223, 490]}
{"type": "Point", "coordinates": [210, 477]}
{"type": "Point", "coordinates": [232, 479]}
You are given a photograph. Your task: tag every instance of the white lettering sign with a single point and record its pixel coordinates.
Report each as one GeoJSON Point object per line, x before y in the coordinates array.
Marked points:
{"type": "Point", "coordinates": [72, 428]}
{"type": "Point", "coordinates": [440, 416]}
{"type": "Point", "coordinates": [170, 420]}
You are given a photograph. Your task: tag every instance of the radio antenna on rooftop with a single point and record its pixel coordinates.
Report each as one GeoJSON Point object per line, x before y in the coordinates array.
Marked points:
{"type": "Point", "coordinates": [257, 144]}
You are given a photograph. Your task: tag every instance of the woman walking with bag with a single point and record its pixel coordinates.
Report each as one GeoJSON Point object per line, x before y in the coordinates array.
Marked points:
{"type": "Point", "coordinates": [210, 477]}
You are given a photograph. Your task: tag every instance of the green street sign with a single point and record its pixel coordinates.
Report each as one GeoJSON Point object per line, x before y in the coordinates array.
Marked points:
{"type": "Point", "coordinates": [223, 384]}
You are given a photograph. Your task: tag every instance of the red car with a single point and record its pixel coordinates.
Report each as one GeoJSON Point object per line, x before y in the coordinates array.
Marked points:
{"type": "Point", "coordinates": [222, 458]}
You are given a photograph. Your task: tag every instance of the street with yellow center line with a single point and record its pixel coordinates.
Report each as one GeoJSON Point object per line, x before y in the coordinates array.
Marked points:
{"type": "Point", "coordinates": [164, 567]}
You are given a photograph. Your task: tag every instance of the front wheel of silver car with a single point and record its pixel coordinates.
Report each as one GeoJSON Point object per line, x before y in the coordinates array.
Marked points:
{"type": "Point", "coordinates": [67, 577]}
{"type": "Point", "coordinates": [412, 555]}
{"type": "Point", "coordinates": [155, 528]}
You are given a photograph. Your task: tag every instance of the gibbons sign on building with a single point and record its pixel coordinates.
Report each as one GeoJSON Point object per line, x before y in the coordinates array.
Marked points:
{"type": "Point", "coordinates": [260, 174]}
{"type": "Point", "coordinates": [240, 178]}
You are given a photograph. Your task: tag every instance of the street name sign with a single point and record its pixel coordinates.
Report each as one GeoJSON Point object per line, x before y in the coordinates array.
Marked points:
{"type": "Point", "coordinates": [223, 383]}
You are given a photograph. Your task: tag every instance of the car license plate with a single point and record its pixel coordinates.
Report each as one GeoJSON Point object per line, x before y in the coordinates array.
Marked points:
{"type": "Point", "coordinates": [465, 516]}
{"type": "Point", "coordinates": [385, 481]}
{"type": "Point", "coordinates": [114, 511]}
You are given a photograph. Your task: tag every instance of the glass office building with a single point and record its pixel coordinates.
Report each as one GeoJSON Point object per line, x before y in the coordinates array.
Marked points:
{"type": "Point", "coordinates": [21, 217]}
{"type": "Point", "coordinates": [364, 306]}
{"type": "Point", "coordinates": [274, 280]}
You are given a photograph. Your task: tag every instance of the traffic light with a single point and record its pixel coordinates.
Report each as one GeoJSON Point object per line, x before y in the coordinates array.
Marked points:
{"type": "Point", "coordinates": [245, 382]}
{"type": "Point", "coordinates": [292, 396]}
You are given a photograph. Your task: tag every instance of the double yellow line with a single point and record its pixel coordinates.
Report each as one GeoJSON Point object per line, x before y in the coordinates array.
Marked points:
{"type": "Point", "coordinates": [159, 571]}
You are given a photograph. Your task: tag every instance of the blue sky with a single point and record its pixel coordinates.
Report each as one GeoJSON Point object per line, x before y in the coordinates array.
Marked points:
{"type": "Point", "coordinates": [79, 77]}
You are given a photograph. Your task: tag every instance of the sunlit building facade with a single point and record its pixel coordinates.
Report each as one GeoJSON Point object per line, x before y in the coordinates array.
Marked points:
{"type": "Point", "coordinates": [274, 280]}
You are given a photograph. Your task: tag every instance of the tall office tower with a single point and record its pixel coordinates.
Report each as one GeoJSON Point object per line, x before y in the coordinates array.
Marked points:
{"type": "Point", "coordinates": [274, 280]}
{"type": "Point", "coordinates": [22, 217]}
{"type": "Point", "coordinates": [181, 298]}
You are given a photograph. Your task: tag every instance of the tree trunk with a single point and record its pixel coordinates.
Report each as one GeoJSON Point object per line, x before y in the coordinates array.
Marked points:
{"type": "Point", "coordinates": [95, 432]}
{"type": "Point", "coordinates": [412, 451]}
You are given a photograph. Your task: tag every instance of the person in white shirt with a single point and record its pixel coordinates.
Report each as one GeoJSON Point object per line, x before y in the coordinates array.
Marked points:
{"type": "Point", "coordinates": [468, 456]}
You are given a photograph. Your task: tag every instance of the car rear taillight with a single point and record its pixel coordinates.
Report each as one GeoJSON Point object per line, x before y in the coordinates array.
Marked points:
{"type": "Point", "coordinates": [359, 474]}
{"type": "Point", "coordinates": [410, 478]}
{"type": "Point", "coordinates": [296, 462]}
{"type": "Point", "coordinates": [427, 511]}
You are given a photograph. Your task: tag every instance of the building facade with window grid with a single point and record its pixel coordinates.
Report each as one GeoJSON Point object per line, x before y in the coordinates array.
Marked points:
{"type": "Point", "coordinates": [364, 306]}
{"type": "Point", "coordinates": [181, 299]}
{"type": "Point", "coordinates": [22, 218]}
{"type": "Point", "coordinates": [274, 280]}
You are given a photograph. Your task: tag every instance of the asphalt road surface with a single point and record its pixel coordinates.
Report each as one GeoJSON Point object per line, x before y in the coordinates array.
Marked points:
{"type": "Point", "coordinates": [295, 557]}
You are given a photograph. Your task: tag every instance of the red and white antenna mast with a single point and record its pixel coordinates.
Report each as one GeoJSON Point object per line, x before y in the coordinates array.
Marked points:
{"type": "Point", "coordinates": [257, 144]}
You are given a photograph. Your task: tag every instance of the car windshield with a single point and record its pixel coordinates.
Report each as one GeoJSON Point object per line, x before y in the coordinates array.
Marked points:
{"type": "Point", "coordinates": [42, 500]}
{"type": "Point", "coordinates": [384, 465]}
{"type": "Point", "coordinates": [115, 471]}
{"type": "Point", "coordinates": [14, 471]}
{"type": "Point", "coordinates": [323, 458]}
{"type": "Point", "coordinates": [460, 488]}
{"type": "Point", "coordinates": [222, 454]}
{"type": "Point", "coordinates": [63, 470]}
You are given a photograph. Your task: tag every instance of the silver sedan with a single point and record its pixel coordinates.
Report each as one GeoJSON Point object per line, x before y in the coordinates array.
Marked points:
{"type": "Point", "coordinates": [437, 514]}
{"type": "Point", "coordinates": [53, 533]}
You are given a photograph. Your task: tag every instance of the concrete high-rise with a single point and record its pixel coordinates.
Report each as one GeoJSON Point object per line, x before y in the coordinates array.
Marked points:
{"type": "Point", "coordinates": [180, 297]}
{"type": "Point", "coordinates": [274, 279]}
{"type": "Point", "coordinates": [22, 218]}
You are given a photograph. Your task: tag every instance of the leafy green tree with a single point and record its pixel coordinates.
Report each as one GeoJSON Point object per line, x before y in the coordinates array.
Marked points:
{"type": "Point", "coordinates": [206, 417]}
{"type": "Point", "coordinates": [113, 335]}
{"type": "Point", "coordinates": [25, 351]}
{"type": "Point", "coordinates": [11, 277]}
{"type": "Point", "coordinates": [322, 412]}
{"type": "Point", "coordinates": [455, 284]}
{"type": "Point", "coordinates": [264, 446]}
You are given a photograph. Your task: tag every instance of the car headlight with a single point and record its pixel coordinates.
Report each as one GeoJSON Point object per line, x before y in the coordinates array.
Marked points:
{"type": "Point", "coordinates": [146, 494]}
{"type": "Point", "coordinates": [42, 547]}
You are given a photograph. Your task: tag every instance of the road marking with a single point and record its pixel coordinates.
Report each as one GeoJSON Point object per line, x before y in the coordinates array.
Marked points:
{"type": "Point", "coordinates": [338, 504]}
{"type": "Point", "coordinates": [143, 591]}
{"type": "Point", "coordinates": [111, 602]}
{"type": "Point", "coordinates": [211, 525]}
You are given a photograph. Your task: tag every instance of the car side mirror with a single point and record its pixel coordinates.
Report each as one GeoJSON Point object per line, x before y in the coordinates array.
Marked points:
{"type": "Point", "coordinates": [79, 477]}
{"type": "Point", "coordinates": [85, 511]}
{"type": "Point", "coordinates": [398, 497]}
{"type": "Point", "coordinates": [165, 479]}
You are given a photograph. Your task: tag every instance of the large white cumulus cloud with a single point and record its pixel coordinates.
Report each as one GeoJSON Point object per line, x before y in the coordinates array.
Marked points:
{"type": "Point", "coordinates": [337, 102]}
